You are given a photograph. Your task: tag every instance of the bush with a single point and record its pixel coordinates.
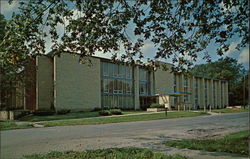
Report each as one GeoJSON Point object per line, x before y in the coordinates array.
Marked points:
{"type": "Point", "coordinates": [96, 109]}
{"type": "Point", "coordinates": [43, 112]}
{"type": "Point", "coordinates": [116, 111]}
{"type": "Point", "coordinates": [104, 112]}
{"type": "Point", "coordinates": [155, 105]}
{"type": "Point", "coordinates": [63, 111]}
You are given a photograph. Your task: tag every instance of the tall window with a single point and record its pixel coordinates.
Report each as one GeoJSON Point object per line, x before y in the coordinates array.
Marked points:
{"type": "Point", "coordinates": [117, 85]}
{"type": "Point", "coordinates": [185, 86]}
{"type": "Point", "coordinates": [144, 82]}
{"type": "Point", "coordinates": [222, 102]}
{"type": "Point", "coordinates": [206, 92]}
{"type": "Point", "coordinates": [175, 88]}
{"type": "Point", "coordinates": [214, 95]}
{"type": "Point", "coordinates": [196, 85]}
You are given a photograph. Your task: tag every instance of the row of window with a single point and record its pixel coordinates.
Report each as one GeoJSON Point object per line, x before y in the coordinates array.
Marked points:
{"type": "Point", "coordinates": [144, 82]}
{"type": "Point", "coordinates": [185, 86]}
{"type": "Point", "coordinates": [117, 86]}
{"type": "Point", "coordinates": [116, 101]}
{"type": "Point", "coordinates": [116, 70]}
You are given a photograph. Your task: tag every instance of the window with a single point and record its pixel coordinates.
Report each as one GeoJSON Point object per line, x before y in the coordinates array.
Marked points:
{"type": "Point", "coordinates": [196, 92]}
{"type": "Point", "coordinates": [222, 102]}
{"type": "Point", "coordinates": [117, 85]}
{"type": "Point", "coordinates": [105, 69]}
{"type": "Point", "coordinates": [144, 82]}
{"type": "Point", "coordinates": [185, 89]}
{"type": "Point", "coordinates": [214, 95]}
{"type": "Point", "coordinates": [106, 85]}
{"type": "Point", "coordinates": [206, 93]}
{"type": "Point", "coordinates": [128, 72]}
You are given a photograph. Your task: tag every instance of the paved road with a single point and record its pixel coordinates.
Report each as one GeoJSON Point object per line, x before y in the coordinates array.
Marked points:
{"type": "Point", "coordinates": [148, 134]}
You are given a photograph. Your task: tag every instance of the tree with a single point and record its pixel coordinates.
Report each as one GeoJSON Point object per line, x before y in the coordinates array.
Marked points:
{"type": "Point", "coordinates": [2, 27]}
{"type": "Point", "coordinates": [181, 30]}
{"type": "Point", "coordinates": [226, 69]}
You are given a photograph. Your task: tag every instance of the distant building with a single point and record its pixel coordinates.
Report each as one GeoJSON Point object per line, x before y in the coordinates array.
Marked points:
{"type": "Point", "coordinates": [63, 83]}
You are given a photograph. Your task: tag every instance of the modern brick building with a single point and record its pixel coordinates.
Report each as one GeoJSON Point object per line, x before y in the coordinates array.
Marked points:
{"type": "Point", "coordinates": [63, 83]}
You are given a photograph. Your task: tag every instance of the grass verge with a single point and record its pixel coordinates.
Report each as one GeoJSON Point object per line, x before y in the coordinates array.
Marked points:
{"type": "Point", "coordinates": [76, 115]}
{"type": "Point", "coordinates": [227, 110]}
{"type": "Point", "coordinates": [118, 119]}
{"type": "Point", "coordinates": [233, 143]}
{"type": "Point", "coordinates": [9, 125]}
{"type": "Point", "coordinates": [111, 153]}
{"type": "Point", "coordinates": [105, 120]}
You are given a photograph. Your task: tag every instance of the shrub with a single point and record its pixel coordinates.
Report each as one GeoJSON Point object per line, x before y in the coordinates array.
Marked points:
{"type": "Point", "coordinates": [116, 111]}
{"type": "Point", "coordinates": [63, 111]}
{"type": "Point", "coordinates": [43, 112]}
{"type": "Point", "coordinates": [96, 109]}
{"type": "Point", "coordinates": [155, 105]}
{"type": "Point", "coordinates": [104, 112]}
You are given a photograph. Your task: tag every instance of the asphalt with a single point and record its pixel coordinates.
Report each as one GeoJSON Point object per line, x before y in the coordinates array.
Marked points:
{"type": "Point", "coordinates": [145, 134]}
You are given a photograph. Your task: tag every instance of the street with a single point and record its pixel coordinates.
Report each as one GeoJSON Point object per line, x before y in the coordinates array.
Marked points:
{"type": "Point", "coordinates": [146, 134]}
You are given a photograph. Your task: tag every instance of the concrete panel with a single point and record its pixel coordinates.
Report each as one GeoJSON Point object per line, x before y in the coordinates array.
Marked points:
{"type": "Point", "coordinates": [44, 85]}
{"type": "Point", "coordinates": [77, 86]}
{"type": "Point", "coordinates": [136, 88]}
{"type": "Point", "coordinates": [164, 81]}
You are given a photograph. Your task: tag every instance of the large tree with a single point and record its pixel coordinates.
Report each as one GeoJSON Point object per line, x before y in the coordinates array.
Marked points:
{"type": "Point", "coordinates": [181, 29]}
{"type": "Point", "coordinates": [226, 69]}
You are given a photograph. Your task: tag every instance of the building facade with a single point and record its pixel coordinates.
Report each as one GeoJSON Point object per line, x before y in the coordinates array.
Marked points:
{"type": "Point", "coordinates": [63, 83]}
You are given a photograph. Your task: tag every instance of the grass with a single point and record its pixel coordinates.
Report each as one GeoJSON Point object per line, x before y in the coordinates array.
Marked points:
{"type": "Point", "coordinates": [76, 115]}
{"type": "Point", "coordinates": [111, 153]}
{"type": "Point", "coordinates": [226, 110]}
{"type": "Point", "coordinates": [104, 120]}
{"type": "Point", "coordinates": [9, 125]}
{"type": "Point", "coordinates": [233, 143]}
{"type": "Point", "coordinates": [118, 119]}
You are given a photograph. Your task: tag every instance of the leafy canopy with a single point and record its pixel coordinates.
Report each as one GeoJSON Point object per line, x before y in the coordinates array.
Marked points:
{"type": "Point", "coordinates": [180, 30]}
{"type": "Point", "coordinates": [225, 68]}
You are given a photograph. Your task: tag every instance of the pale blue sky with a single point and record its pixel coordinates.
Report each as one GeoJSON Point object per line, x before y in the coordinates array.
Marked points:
{"type": "Point", "coordinates": [148, 49]}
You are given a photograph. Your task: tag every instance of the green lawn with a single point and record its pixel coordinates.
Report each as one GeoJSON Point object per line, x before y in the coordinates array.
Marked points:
{"type": "Point", "coordinates": [118, 119]}
{"type": "Point", "coordinates": [9, 125]}
{"type": "Point", "coordinates": [111, 153]}
{"type": "Point", "coordinates": [226, 110]}
{"type": "Point", "coordinates": [105, 120]}
{"type": "Point", "coordinates": [76, 115]}
{"type": "Point", "coordinates": [233, 143]}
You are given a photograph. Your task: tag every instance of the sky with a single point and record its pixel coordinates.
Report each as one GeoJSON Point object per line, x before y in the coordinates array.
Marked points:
{"type": "Point", "coordinates": [148, 49]}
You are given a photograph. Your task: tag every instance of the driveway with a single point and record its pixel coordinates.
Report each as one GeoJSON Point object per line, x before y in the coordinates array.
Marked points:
{"type": "Point", "coordinates": [147, 134]}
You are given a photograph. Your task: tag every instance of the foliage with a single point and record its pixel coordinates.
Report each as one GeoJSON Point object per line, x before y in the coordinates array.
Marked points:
{"type": "Point", "coordinates": [115, 111]}
{"type": "Point", "coordinates": [104, 112]}
{"type": "Point", "coordinates": [96, 109]}
{"type": "Point", "coordinates": [233, 143]}
{"type": "Point", "coordinates": [63, 111]}
{"type": "Point", "coordinates": [43, 112]}
{"type": "Point", "coordinates": [156, 105]}
{"type": "Point", "coordinates": [2, 28]}
{"type": "Point", "coordinates": [110, 153]}
{"type": "Point", "coordinates": [179, 29]}
{"type": "Point", "coordinates": [226, 69]}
